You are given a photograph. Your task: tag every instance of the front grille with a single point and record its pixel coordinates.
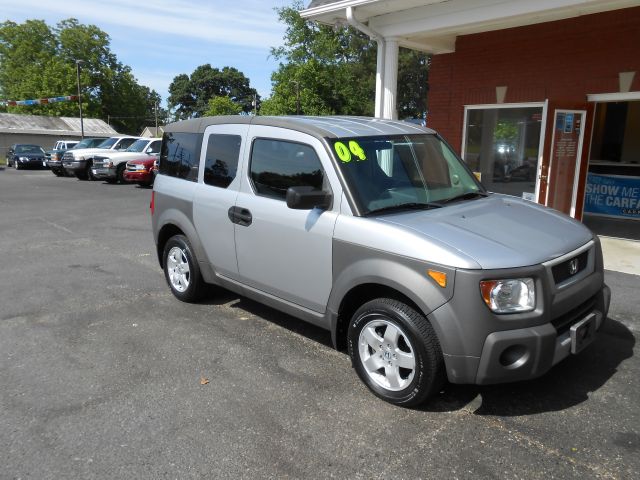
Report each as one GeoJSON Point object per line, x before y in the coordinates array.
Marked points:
{"type": "Point", "coordinates": [564, 322]}
{"type": "Point", "coordinates": [562, 271]}
{"type": "Point", "coordinates": [131, 168]}
{"type": "Point", "coordinates": [68, 156]}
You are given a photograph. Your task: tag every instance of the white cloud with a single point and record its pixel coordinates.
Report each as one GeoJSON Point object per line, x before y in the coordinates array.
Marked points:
{"type": "Point", "coordinates": [250, 23]}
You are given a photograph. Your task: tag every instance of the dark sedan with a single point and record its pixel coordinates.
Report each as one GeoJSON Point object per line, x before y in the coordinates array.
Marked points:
{"type": "Point", "coordinates": [24, 155]}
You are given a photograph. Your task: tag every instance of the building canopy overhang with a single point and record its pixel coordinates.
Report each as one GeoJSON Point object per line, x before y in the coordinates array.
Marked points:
{"type": "Point", "coordinates": [432, 26]}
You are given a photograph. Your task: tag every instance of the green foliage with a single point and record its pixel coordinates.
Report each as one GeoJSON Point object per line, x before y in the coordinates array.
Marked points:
{"type": "Point", "coordinates": [222, 106]}
{"type": "Point", "coordinates": [506, 131]}
{"type": "Point", "coordinates": [189, 96]}
{"type": "Point", "coordinates": [331, 71]}
{"type": "Point", "coordinates": [37, 61]}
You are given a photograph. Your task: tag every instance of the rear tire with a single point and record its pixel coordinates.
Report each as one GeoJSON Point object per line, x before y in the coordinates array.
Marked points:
{"type": "Point", "coordinates": [395, 352]}
{"type": "Point", "coordinates": [181, 270]}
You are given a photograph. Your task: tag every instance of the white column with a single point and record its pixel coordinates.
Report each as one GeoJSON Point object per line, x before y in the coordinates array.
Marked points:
{"type": "Point", "coordinates": [390, 78]}
{"type": "Point", "coordinates": [380, 79]}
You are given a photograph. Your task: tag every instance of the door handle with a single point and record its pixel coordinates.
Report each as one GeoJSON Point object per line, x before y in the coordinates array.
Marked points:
{"type": "Point", "coordinates": [240, 216]}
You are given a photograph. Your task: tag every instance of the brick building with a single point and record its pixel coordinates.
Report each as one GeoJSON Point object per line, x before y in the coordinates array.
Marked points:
{"type": "Point", "coordinates": [542, 99]}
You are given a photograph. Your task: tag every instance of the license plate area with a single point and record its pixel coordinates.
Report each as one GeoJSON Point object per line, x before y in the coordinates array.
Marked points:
{"type": "Point", "coordinates": [583, 333]}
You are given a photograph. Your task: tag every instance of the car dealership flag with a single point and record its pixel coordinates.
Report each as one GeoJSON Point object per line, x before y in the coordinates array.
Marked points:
{"type": "Point", "coordinates": [40, 101]}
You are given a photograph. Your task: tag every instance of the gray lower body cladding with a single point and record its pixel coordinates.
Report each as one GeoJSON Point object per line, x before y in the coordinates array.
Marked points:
{"type": "Point", "coordinates": [485, 348]}
{"type": "Point", "coordinates": [480, 346]}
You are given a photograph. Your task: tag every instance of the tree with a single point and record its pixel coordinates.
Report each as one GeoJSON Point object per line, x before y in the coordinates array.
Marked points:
{"type": "Point", "coordinates": [222, 106]}
{"type": "Point", "coordinates": [37, 61]}
{"type": "Point", "coordinates": [331, 71]}
{"type": "Point", "coordinates": [189, 96]}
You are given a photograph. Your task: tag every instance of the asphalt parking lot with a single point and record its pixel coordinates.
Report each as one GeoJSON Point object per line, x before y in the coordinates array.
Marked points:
{"type": "Point", "coordinates": [103, 373]}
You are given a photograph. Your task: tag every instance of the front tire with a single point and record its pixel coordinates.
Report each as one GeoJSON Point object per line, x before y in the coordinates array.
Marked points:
{"type": "Point", "coordinates": [395, 352]}
{"type": "Point", "coordinates": [120, 173]}
{"type": "Point", "coordinates": [181, 270]}
{"type": "Point", "coordinates": [90, 176]}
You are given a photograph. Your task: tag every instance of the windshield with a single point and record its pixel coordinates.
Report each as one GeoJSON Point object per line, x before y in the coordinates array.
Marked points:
{"type": "Point", "coordinates": [108, 143]}
{"type": "Point", "coordinates": [87, 142]}
{"type": "Point", "coordinates": [138, 146]}
{"type": "Point", "coordinates": [384, 173]}
{"type": "Point", "coordinates": [29, 149]}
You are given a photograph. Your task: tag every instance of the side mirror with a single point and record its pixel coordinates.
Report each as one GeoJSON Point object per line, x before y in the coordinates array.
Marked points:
{"type": "Point", "coordinates": [307, 197]}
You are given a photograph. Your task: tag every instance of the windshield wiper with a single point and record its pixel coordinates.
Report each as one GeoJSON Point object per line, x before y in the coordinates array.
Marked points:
{"type": "Point", "coordinates": [405, 206]}
{"type": "Point", "coordinates": [465, 196]}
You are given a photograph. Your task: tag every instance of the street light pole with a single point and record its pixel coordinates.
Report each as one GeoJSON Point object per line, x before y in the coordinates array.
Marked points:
{"type": "Point", "coordinates": [156, 115]}
{"type": "Point", "coordinates": [78, 63]}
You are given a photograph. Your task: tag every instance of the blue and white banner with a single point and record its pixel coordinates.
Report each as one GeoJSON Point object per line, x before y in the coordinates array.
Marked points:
{"type": "Point", "coordinates": [612, 196]}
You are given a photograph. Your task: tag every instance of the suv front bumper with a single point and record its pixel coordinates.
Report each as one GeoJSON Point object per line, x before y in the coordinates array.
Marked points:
{"type": "Point", "coordinates": [481, 347]}
{"type": "Point", "coordinates": [104, 172]}
{"type": "Point", "coordinates": [74, 166]}
{"type": "Point", "coordinates": [530, 352]}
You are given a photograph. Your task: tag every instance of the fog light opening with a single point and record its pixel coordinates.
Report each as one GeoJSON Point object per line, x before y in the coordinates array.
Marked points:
{"type": "Point", "coordinates": [514, 356]}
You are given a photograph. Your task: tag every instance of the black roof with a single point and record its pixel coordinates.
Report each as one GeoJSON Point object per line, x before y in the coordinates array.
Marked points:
{"type": "Point", "coordinates": [320, 127]}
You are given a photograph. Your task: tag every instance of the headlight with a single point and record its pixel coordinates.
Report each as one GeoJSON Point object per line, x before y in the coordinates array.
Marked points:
{"type": "Point", "coordinates": [140, 167]}
{"type": "Point", "coordinates": [23, 159]}
{"type": "Point", "coordinates": [509, 296]}
{"type": "Point", "coordinates": [80, 158]}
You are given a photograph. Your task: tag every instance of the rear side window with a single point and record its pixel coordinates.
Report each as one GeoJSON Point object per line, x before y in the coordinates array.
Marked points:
{"type": "Point", "coordinates": [179, 155]}
{"type": "Point", "coordinates": [221, 163]}
{"type": "Point", "coordinates": [277, 165]}
{"type": "Point", "coordinates": [125, 143]}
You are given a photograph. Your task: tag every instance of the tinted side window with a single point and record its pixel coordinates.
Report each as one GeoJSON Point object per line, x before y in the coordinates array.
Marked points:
{"type": "Point", "coordinates": [155, 146]}
{"type": "Point", "coordinates": [277, 165]}
{"type": "Point", "coordinates": [179, 155]}
{"type": "Point", "coordinates": [125, 143]}
{"type": "Point", "coordinates": [221, 162]}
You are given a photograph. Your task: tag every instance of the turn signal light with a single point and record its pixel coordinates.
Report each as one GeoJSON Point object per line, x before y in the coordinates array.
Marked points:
{"type": "Point", "coordinates": [439, 277]}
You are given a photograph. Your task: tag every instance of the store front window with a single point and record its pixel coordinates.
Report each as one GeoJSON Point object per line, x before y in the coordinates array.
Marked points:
{"type": "Point", "coordinates": [502, 144]}
{"type": "Point", "coordinates": [612, 194]}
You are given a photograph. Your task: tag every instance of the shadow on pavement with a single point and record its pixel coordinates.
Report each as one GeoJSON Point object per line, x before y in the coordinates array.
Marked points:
{"type": "Point", "coordinates": [567, 384]}
{"type": "Point", "coordinates": [219, 296]}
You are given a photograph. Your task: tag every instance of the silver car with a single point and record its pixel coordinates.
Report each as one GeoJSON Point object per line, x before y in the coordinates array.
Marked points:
{"type": "Point", "coordinates": [378, 232]}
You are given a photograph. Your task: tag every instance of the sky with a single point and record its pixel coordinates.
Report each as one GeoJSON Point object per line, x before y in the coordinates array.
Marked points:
{"type": "Point", "coordinates": [160, 39]}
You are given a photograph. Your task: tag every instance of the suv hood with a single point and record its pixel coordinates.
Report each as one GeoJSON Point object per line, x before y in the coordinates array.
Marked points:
{"type": "Point", "coordinates": [123, 156]}
{"type": "Point", "coordinates": [498, 231]}
{"type": "Point", "coordinates": [77, 152]}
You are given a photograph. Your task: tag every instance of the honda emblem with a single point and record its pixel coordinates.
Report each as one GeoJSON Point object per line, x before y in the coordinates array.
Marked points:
{"type": "Point", "coordinates": [573, 266]}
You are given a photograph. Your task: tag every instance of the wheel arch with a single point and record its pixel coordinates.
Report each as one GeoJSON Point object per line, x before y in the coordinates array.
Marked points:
{"type": "Point", "coordinates": [166, 232]}
{"type": "Point", "coordinates": [175, 222]}
{"type": "Point", "coordinates": [358, 296]}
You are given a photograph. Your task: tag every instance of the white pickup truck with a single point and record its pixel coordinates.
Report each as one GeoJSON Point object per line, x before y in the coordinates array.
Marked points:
{"type": "Point", "coordinates": [79, 161]}
{"type": "Point", "coordinates": [111, 166]}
